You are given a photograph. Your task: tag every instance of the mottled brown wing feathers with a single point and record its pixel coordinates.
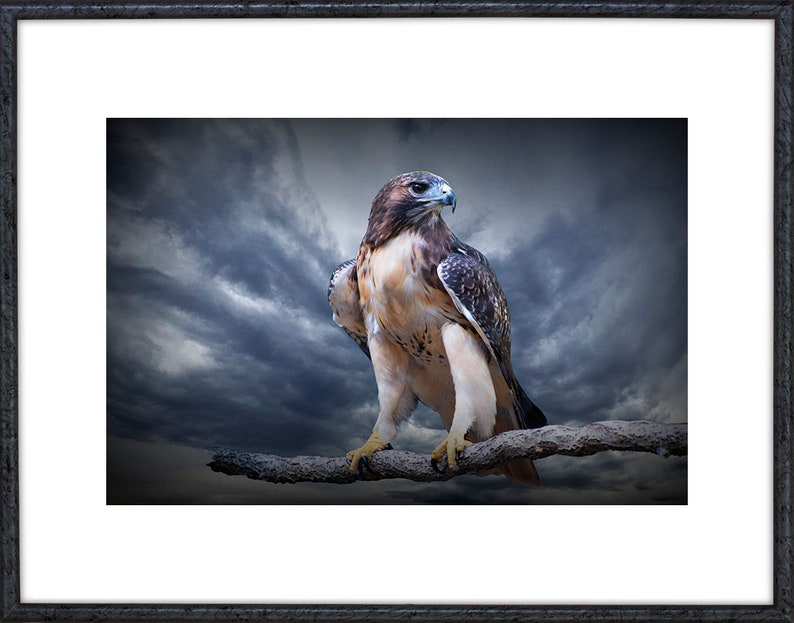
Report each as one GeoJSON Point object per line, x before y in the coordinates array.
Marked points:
{"type": "Point", "coordinates": [478, 296]}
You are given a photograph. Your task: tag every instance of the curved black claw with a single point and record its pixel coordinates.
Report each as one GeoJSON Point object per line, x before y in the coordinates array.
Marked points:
{"type": "Point", "coordinates": [388, 446]}
{"type": "Point", "coordinates": [364, 464]}
{"type": "Point", "coordinates": [434, 465]}
{"type": "Point", "coordinates": [459, 454]}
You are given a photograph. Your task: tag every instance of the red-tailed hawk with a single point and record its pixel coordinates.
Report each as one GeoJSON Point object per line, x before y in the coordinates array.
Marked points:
{"type": "Point", "coordinates": [428, 311]}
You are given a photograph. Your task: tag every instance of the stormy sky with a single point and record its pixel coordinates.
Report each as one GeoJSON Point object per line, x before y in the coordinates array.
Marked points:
{"type": "Point", "coordinates": [222, 235]}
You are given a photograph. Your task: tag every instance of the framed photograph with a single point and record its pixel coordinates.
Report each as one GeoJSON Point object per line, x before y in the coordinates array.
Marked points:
{"type": "Point", "coordinates": [183, 187]}
{"type": "Point", "coordinates": [264, 310]}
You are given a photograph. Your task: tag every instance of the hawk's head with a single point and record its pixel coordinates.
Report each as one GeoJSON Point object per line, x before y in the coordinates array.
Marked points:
{"type": "Point", "coordinates": [414, 197]}
{"type": "Point", "coordinates": [408, 201]}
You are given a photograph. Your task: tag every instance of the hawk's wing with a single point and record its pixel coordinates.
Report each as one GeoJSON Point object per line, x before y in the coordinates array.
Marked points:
{"type": "Point", "coordinates": [472, 285]}
{"type": "Point", "coordinates": [345, 305]}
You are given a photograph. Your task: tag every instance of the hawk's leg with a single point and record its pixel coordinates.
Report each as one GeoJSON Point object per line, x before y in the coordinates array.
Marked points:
{"type": "Point", "coordinates": [395, 399]}
{"type": "Point", "coordinates": [475, 397]}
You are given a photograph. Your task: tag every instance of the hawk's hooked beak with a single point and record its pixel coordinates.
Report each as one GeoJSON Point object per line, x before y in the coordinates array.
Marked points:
{"type": "Point", "coordinates": [448, 196]}
{"type": "Point", "coordinates": [438, 196]}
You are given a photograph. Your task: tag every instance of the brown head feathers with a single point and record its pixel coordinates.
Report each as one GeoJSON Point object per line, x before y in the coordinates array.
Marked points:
{"type": "Point", "coordinates": [411, 201]}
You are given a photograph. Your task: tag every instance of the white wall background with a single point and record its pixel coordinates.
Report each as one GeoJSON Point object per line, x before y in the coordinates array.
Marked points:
{"type": "Point", "coordinates": [73, 75]}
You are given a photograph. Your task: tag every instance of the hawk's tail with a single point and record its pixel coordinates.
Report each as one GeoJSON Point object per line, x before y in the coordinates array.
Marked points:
{"type": "Point", "coordinates": [527, 412]}
{"type": "Point", "coordinates": [521, 470]}
{"type": "Point", "coordinates": [527, 415]}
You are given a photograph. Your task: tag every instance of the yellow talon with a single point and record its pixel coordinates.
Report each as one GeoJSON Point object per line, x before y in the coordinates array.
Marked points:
{"type": "Point", "coordinates": [373, 444]}
{"type": "Point", "coordinates": [450, 447]}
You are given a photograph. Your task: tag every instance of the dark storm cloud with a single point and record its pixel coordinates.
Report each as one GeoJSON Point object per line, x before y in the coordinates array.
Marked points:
{"type": "Point", "coordinates": [218, 260]}
{"type": "Point", "coordinates": [221, 237]}
{"type": "Point", "coordinates": [610, 314]}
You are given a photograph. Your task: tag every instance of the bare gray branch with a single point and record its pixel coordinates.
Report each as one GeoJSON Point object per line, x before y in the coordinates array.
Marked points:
{"type": "Point", "coordinates": [662, 439]}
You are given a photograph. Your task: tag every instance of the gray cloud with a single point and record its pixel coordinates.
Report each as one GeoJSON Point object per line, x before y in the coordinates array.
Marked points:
{"type": "Point", "coordinates": [221, 237]}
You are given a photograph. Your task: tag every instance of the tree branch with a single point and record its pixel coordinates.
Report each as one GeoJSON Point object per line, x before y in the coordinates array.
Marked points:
{"type": "Point", "coordinates": [662, 439]}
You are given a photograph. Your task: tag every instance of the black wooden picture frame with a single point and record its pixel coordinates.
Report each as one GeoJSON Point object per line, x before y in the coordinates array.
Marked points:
{"type": "Point", "coordinates": [13, 609]}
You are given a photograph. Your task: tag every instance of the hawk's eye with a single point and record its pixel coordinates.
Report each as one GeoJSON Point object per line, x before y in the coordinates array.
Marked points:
{"type": "Point", "coordinates": [419, 188]}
